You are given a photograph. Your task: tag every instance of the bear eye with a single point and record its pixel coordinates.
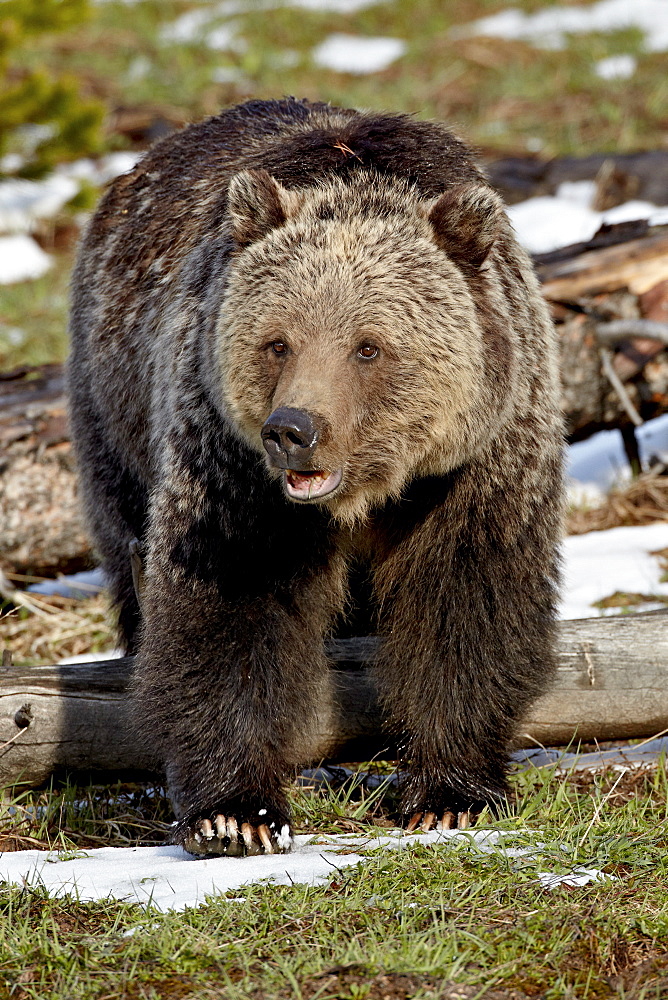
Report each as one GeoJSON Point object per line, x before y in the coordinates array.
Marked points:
{"type": "Point", "coordinates": [279, 347]}
{"type": "Point", "coordinates": [367, 351]}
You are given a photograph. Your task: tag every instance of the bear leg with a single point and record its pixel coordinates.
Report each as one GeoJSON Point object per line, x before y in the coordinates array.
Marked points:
{"type": "Point", "coordinates": [229, 684]}
{"type": "Point", "coordinates": [469, 593]}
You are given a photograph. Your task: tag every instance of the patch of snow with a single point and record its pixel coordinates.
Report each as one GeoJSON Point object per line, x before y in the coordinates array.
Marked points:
{"type": "Point", "coordinates": [578, 877]}
{"type": "Point", "coordinates": [652, 438]}
{"type": "Point", "coordinates": [13, 335]}
{"type": "Point", "coordinates": [599, 461]}
{"type": "Point", "coordinates": [78, 585]}
{"type": "Point", "coordinates": [115, 164]}
{"type": "Point", "coordinates": [21, 259]}
{"type": "Point", "coordinates": [597, 464]}
{"type": "Point", "coordinates": [660, 216]}
{"type": "Point", "coordinates": [138, 69]}
{"type": "Point", "coordinates": [226, 74]}
{"type": "Point", "coordinates": [584, 494]}
{"type": "Point", "coordinates": [333, 6]}
{"type": "Point", "coordinates": [99, 172]}
{"type": "Point", "coordinates": [600, 563]}
{"type": "Point", "coordinates": [23, 202]}
{"type": "Point", "coordinates": [167, 878]}
{"type": "Point", "coordinates": [616, 67]}
{"type": "Point", "coordinates": [189, 27]}
{"type": "Point", "coordinates": [109, 654]}
{"type": "Point", "coordinates": [578, 192]}
{"type": "Point", "coordinates": [628, 212]}
{"type": "Point", "coordinates": [548, 222]}
{"type": "Point", "coordinates": [11, 162]}
{"type": "Point", "coordinates": [548, 27]}
{"type": "Point", "coordinates": [196, 26]}
{"type": "Point", "coordinates": [224, 37]}
{"type": "Point", "coordinates": [545, 223]}
{"type": "Point", "coordinates": [356, 54]}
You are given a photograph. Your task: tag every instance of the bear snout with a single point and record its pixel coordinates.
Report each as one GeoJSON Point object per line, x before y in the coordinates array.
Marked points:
{"type": "Point", "coordinates": [290, 437]}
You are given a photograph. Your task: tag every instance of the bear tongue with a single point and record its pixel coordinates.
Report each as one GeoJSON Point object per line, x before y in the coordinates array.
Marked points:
{"type": "Point", "coordinates": [309, 485]}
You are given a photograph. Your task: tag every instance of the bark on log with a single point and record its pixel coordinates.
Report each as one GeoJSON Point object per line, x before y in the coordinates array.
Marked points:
{"type": "Point", "coordinates": [612, 683]}
{"type": "Point", "coordinates": [41, 529]}
{"type": "Point", "coordinates": [636, 265]}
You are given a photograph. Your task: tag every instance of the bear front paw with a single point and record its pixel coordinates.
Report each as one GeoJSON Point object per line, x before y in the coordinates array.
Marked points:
{"type": "Point", "coordinates": [219, 835]}
{"type": "Point", "coordinates": [445, 809]}
{"type": "Point", "coordinates": [447, 820]}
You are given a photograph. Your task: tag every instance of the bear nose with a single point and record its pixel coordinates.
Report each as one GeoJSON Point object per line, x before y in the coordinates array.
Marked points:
{"type": "Point", "coordinates": [290, 437]}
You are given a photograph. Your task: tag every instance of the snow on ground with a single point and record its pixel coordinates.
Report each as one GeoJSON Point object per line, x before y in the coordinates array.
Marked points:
{"type": "Point", "coordinates": [595, 465]}
{"type": "Point", "coordinates": [194, 24]}
{"type": "Point", "coordinates": [602, 563]}
{"type": "Point", "coordinates": [548, 222]}
{"type": "Point", "coordinates": [355, 54]}
{"type": "Point", "coordinates": [21, 259]}
{"type": "Point", "coordinates": [616, 67]}
{"type": "Point", "coordinates": [549, 26]}
{"type": "Point", "coordinates": [100, 171]}
{"type": "Point", "coordinates": [169, 879]}
{"type": "Point", "coordinates": [23, 204]}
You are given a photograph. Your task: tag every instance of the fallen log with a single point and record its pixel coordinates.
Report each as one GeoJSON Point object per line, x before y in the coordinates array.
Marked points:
{"type": "Point", "coordinates": [612, 683]}
{"type": "Point", "coordinates": [637, 265]}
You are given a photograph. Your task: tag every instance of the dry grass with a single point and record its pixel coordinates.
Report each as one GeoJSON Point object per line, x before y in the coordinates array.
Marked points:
{"type": "Point", "coordinates": [47, 629]}
{"type": "Point", "coordinates": [73, 817]}
{"type": "Point", "coordinates": [641, 502]}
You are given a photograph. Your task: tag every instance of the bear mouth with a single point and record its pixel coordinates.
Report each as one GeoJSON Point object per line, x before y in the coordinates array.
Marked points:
{"type": "Point", "coordinates": [311, 485]}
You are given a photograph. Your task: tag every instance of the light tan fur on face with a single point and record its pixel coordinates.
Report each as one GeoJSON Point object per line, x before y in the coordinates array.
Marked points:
{"type": "Point", "coordinates": [337, 275]}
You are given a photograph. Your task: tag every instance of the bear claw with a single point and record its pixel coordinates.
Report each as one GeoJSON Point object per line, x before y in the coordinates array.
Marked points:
{"type": "Point", "coordinates": [222, 836]}
{"type": "Point", "coordinates": [426, 821]}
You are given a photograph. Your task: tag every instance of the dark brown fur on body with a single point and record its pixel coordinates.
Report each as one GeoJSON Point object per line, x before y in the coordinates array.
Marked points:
{"type": "Point", "coordinates": [253, 264]}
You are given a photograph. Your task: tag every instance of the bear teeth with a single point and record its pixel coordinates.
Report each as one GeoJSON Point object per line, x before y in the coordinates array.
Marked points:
{"type": "Point", "coordinates": [311, 485]}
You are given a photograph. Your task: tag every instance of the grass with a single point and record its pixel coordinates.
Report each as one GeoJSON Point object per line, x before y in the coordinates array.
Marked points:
{"type": "Point", "coordinates": [503, 94]}
{"type": "Point", "coordinates": [423, 922]}
{"type": "Point", "coordinates": [33, 319]}
{"type": "Point", "coordinates": [49, 629]}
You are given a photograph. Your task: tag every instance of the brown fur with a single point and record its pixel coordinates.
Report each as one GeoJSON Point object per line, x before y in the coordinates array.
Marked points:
{"type": "Point", "coordinates": [325, 231]}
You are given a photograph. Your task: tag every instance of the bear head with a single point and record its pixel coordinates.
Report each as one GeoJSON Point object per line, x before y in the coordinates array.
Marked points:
{"type": "Point", "coordinates": [352, 345]}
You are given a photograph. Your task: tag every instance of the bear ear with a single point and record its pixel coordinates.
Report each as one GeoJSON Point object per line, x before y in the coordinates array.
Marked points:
{"type": "Point", "coordinates": [257, 203]}
{"type": "Point", "coordinates": [466, 221]}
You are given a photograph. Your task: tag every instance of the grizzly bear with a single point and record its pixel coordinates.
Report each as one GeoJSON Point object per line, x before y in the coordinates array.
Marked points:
{"type": "Point", "coordinates": [307, 347]}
